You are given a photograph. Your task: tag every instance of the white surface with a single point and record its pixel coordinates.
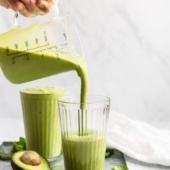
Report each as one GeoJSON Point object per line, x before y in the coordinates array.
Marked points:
{"type": "Point", "coordinates": [126, 45]}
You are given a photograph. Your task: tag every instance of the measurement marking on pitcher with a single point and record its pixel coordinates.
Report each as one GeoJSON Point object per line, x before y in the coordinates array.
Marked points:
{"type": "Point", "coordinates": [38, 46]}
{"type": "Point", "coordinates": [36, 41]}
{"type": "Point", "coordinates": [27, 50]}
{"type": "Point", "coordinates": [27, 53]}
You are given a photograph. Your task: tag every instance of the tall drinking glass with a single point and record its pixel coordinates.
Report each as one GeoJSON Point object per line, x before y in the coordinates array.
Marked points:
{"type": "Point", "coordinates": [84, 131]}
{"type": "Point", "coordinates": [41, 120]}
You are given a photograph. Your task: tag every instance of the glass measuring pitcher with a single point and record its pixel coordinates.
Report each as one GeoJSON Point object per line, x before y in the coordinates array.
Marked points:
{"type": "Point", "coordinates": [40, 50]}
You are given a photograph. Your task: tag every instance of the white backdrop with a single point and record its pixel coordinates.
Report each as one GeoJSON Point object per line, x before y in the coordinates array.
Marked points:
{"type": "Point", "coordinates": [126, 45]}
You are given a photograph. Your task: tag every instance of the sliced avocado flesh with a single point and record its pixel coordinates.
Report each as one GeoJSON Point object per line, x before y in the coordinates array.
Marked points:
{"type": "Point", "coordinates": [17, 164]}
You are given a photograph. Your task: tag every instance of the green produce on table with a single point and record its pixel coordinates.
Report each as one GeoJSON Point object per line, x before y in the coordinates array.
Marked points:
{"type": "Point", "coordinates": [19, 146]}
{"type": "Point", "coordinates": [109, 152]}
{"type": "Point", "coordinates": [6, 154]}
{"type": "Point", "coordinates": [28, 160]}
{"type": "Point", "coordinates": [121, 167]}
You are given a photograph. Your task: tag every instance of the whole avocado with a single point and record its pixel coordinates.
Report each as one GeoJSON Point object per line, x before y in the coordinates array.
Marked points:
{"type": "Point", "coordinates": [28, 160]}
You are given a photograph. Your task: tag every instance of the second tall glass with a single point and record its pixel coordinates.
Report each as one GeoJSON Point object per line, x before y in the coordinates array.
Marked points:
{"type": "Point", "coordinates": [41, 120]}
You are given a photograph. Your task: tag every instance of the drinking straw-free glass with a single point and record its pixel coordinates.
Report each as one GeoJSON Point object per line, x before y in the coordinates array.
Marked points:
{"type": "Point", "coordinates": [41, 120]}
{"type": "Point", "coordinates": [84, 131]}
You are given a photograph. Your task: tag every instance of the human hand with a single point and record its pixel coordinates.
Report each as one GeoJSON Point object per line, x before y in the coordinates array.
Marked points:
{"type": "Point", "coordinates": [28, 8]}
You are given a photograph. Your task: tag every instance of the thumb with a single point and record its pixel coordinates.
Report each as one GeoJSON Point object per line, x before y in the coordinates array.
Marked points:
{"type": "Point", "coordinates": [4, 4]}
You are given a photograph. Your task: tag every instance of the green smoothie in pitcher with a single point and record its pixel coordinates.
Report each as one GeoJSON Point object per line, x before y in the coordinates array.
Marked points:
{"type": "Point", "coordinates": [41, 120]}
{"type": "Point", "coordinates": [39, 51]}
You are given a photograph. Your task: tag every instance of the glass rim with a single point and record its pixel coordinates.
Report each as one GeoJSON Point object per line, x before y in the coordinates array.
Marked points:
{"type": "Point", "coordinates": [67, 99]}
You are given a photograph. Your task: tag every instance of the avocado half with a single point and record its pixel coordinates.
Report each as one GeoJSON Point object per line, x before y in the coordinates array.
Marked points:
{"type": "Point", "coordinates": [17, 164]}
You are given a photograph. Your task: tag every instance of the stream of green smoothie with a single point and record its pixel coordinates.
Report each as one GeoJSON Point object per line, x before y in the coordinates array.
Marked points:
{"type": "Point", "coordinates": [22, 61]}
{"type": "Point", "coordinates": [33, 53]}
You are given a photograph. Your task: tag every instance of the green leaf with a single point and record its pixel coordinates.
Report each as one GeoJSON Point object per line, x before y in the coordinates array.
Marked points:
{"type": "Point", "coordinates": [8, 148]}
{"type": "Point", "coordinates": [108, 152]}
{"type": "Point", "coordinates": [121, 167]}
{"type": "Point", "coordinates": [19, 146]}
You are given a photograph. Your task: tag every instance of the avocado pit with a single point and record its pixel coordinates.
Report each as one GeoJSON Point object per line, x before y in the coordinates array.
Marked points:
{"type": "Point", "coordinates": [31, 158]}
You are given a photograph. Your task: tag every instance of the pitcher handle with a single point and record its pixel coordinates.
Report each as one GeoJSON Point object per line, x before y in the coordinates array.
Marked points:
{"type": "Point", "coordinates": [16, 23]}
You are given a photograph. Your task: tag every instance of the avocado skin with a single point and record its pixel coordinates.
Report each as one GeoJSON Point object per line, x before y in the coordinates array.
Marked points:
{"type": "Point", "coordinates": [14, 166]}
{"type": "Point", "coordinates": [16, 157]}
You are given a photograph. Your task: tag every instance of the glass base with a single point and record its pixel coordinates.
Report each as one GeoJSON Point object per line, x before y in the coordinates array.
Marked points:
{"type": "Point", "coordinates": [52, 159]}
{"type": "Point", "coordinates": [56, 163]}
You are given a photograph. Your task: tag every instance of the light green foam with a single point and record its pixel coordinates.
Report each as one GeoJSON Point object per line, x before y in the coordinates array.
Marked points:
{"type": "Point", "coordinates": [44, 90]}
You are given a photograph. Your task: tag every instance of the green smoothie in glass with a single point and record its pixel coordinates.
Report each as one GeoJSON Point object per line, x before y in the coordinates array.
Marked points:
{"type": "Point", "coordinates": [84, 152]}
{"type": "Point", "coordinates": [41, 119]}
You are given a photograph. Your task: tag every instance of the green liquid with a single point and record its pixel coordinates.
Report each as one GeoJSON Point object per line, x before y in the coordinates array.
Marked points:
{"type": "Point", "coordinates": [41, 120]}
{"type": "Point", "coordinates": [84, 152]}
{"type": "Point", "coordinates": [39, 66]}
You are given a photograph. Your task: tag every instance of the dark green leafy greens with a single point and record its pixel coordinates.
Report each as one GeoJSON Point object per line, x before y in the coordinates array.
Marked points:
{"type": "Point", "coordinates": [121, 167]}
{"type": "Point", "coordinates": [108, 152]}
{"type": "Point", "coordinates": [8, 148]}
{"type": "Point", "coordinates": [19, 146]}
{"type": "Point", "coordinates": [118, 158]}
